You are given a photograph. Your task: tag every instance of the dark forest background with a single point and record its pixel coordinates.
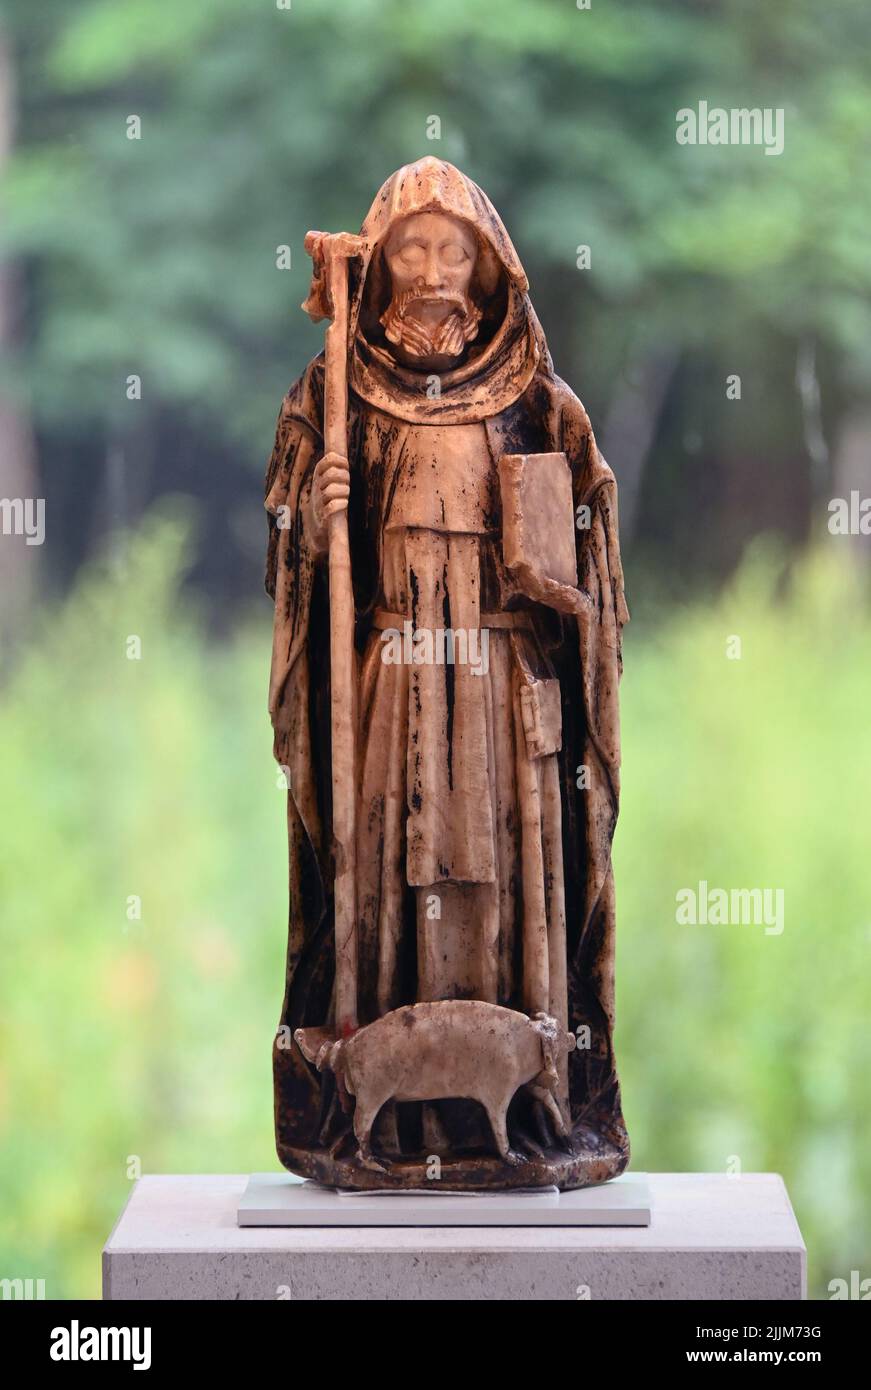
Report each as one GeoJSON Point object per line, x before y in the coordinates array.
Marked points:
{"type": "Point", "coordinates": [141, 1042]}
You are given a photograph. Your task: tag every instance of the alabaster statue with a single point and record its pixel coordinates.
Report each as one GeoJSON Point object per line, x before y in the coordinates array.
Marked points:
{"type": "Point", "coordinates": [445, 567]}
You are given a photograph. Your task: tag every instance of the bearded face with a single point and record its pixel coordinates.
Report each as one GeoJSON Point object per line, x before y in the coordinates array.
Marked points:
{"type": "Point", "coordinates": [431, 316]}
{"type": "Point", "coordinates": [419, 338]}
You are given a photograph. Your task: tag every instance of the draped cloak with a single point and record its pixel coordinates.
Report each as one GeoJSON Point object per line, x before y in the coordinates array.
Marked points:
{"type": "Point", "coordinates": [506, 384]}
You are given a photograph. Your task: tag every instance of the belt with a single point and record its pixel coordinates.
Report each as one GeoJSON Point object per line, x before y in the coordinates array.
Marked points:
{"type": "Point", "coordinates": [382, 619]}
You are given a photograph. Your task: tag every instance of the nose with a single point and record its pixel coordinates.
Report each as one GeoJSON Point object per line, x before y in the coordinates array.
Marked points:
{"type": "Point", "coordinates": [433, 269]}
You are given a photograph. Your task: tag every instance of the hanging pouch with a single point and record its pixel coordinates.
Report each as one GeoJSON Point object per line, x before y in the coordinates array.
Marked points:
{"type": "Point", "coordinates": [540, 706]}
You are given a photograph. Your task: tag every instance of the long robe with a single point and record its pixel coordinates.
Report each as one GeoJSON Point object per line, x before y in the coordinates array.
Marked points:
{"type": "Point", "coordinates": [508, 387]}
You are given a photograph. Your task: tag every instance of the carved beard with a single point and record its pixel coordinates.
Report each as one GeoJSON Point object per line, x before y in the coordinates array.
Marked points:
{"type": "Point", "coordinates": [445, 339]}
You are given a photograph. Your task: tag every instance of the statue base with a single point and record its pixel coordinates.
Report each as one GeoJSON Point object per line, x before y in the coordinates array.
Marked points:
{"type": "Point", "coordinates": [582, 1167]}
{"type": "Point", "coordinates": [711, 1237]}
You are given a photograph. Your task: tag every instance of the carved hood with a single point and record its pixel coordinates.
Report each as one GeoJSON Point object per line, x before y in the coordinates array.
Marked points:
{"type": "Point", "coordinates": [510, 347]}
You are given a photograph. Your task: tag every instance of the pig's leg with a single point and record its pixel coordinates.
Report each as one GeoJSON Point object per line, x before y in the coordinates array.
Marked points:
{"type": "Point", "coordinates": [365, 1115]}
{"type": "Point", "coordinates": [496, 1113]}
{"type": "Point", "coordinates": [547, 1102]}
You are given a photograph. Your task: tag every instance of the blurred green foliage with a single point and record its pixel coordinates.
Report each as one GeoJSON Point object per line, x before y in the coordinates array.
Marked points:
{"type": "Point", "coordinates": [124, 1040]}
{"type": "Point", "coordinates": [158, 255]}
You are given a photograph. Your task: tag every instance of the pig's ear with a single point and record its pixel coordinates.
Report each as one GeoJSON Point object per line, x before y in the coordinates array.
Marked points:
{"type": "Point", "coordinates": [305, 1046]}
{"type": "Point", "coordinates": [311, 1042]}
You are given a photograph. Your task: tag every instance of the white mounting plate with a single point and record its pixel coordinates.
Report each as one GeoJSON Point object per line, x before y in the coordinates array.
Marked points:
{"type": "Point", "coordinates": [280, 1199]}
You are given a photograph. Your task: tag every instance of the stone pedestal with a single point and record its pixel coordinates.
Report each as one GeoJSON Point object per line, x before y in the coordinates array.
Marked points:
{"type": "Point", "coordinates": [710, 1237]}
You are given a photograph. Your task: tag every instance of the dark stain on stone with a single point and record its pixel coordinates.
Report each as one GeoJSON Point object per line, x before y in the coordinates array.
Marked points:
{"type": "Point", "coordinates": [450, 681]}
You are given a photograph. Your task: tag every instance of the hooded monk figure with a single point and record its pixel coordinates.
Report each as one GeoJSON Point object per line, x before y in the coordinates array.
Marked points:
{"type": "Point", "coordinates": [486, 706]}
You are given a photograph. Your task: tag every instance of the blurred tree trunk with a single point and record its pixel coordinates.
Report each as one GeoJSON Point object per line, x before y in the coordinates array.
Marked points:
{"type": "Point", "coordinates": [18, 477]}
{"type": "Point", "coordinates": [852, 469]}
{"type": "Point", "coordinates": [630, 426]}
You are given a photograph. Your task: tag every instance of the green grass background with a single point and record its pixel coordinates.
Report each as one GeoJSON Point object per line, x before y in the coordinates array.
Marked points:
{"type": "Point", "coordinates": [146, 1045]}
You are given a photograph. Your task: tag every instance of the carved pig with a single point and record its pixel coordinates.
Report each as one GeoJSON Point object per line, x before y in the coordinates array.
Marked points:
{"type": "Point", "coordinates": [441, 1050]}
